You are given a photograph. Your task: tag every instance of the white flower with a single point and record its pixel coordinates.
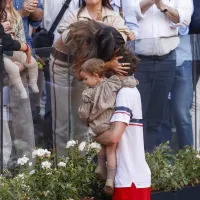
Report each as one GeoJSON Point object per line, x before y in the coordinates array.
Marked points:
{"type": "Point", "coordinates": [198, 156]}
{"type": "Point", "coordinates": [30, 164]}
{"type": "Point", "coordinates": [22, 161]}
{"type": "Point", "coordinates": [46, 165]}
{"type": "Point", "coordinates": [46, 193]}
{"type": "Point", "coordinates": [95, 146]}
{"type": "Point", "coordinates": [61, 164]}
{"type": "Point", "coordinates": [32, 172]}
{"type": "Point", "coordinates": [70, 143]}
{"type": "Point", "coordinates": [20, 176]}
{"type": "Point", "coordinates": [41, 153]}
{"type": "Point", "coordinates": [82, 146]}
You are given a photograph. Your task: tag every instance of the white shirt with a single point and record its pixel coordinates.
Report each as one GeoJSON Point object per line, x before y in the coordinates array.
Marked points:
{"type": "Point", "coordinates": [51, 10]}
{"type": "Point", "coordinates": [128, 13]}
{"type": "Point", "coordinates": [131, 163]}
{"type": "Point", "coordinates": [155, 24]}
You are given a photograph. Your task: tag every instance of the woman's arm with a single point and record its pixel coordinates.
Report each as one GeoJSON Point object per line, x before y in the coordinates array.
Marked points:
{"type": "Point", "coordinates": [13, 45]}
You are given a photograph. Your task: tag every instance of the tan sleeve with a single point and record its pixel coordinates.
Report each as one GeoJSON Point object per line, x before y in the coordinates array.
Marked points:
{"type": "Point", "coordinates": [20, 34]}
{"type": "Point", "coordinates": [68, 19]}
{"type": "Point", "coordinates": [86, 106]}
{"type": "Point", "coordinates": [119, 24]}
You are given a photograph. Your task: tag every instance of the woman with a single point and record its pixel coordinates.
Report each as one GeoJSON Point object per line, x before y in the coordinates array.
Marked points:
{"type": "Point", "coordinates": [98, 10]}
{"type": "Point", "coordinates": [8, 43]}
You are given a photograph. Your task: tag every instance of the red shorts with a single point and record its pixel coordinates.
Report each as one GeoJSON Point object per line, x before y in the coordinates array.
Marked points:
{"type": "Point", "coordinates": [131, 193]}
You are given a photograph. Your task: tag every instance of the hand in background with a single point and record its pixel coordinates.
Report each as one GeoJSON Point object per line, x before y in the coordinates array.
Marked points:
{"type": "Point", "coordinates": [30, 5]}
{"type": "Point", "coordinates": [160, 5]}
{"type": "Point", "coordinates": [131, 36]}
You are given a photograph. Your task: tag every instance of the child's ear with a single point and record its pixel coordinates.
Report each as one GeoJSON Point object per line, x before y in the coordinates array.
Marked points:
{"type": "Point", "coordinates": [96, 75]}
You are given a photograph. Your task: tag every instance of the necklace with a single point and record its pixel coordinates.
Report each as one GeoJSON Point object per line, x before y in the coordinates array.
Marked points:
{"type": "Point", "coordinates": [99, 15]}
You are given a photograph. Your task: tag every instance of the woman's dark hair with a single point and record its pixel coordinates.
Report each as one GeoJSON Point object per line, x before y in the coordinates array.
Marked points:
{"type": "Point", "coordinates": [90, 39]}
{"type": "Point", "coordinates": [3, 14]}
{"type": "Point", "coordinates": [105, 3]}
{"type": "Point", "coordinates": [110, 43]}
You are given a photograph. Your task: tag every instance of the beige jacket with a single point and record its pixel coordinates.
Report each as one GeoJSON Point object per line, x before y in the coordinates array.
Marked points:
{"type": "Point", "coordinates": [109, 17]}
{"type": "Point", "coordinates": [98, 102]}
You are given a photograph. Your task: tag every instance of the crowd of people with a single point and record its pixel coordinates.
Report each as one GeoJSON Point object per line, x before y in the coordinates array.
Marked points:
{"type": "Point", "coordinates": [123, 50]}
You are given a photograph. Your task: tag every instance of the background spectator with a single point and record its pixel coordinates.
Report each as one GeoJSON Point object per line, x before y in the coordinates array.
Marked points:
{"type": "Point", "coordinates": [181, 94]}
{"type": "Point", "coordinates": [158, 19]}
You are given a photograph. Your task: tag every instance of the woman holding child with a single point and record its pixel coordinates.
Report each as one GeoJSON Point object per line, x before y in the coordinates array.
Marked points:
{"type": "Point", "coordinates": [98, 10]}
{"type": "Point", "coordinates": [112, 108]}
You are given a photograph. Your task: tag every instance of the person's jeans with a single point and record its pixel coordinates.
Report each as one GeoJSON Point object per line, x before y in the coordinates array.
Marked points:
{"type": "Point", "coordinates": [180, 104]}
{"type": "Point", "coordinates": [155, 75]}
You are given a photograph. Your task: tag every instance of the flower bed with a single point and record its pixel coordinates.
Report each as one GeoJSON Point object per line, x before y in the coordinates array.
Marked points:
{"type": "Point", "coordinates": [74, 177]}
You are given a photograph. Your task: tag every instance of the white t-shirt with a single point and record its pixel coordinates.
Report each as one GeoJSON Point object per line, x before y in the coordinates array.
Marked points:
{"type": "Point", "coordinates": [131, 163]}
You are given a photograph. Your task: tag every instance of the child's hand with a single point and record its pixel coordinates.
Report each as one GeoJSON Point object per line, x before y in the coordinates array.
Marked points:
{"type": "Point", "coordinates": [20, 65]}
{"type": "Point", "coordinates": [6, 25]}
{"type": "Point", "coordinates": [131, 36]}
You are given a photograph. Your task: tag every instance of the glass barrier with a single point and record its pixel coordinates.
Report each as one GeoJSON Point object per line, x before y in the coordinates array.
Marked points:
{"type": "Point", "coordinates": [49, 119]}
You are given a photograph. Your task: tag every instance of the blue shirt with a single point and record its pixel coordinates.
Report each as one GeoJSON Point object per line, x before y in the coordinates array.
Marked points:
{"type": "Point", "coordinates": [184, 50]}
{"type": "Point", "coordinates": [26, 20]}
{"type": "Point", "coordinates": [128, 14]}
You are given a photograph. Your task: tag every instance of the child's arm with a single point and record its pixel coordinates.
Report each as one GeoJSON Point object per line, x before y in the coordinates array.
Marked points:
{"type": "Point", "coordinates": [85, 108]}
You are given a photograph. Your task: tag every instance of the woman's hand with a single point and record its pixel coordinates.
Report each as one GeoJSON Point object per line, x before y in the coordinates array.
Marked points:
{"type": "Point", "coordinates": [119, 68]}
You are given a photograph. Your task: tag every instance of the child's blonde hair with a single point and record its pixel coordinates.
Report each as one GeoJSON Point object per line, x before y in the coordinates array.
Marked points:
{"type": "Point", "coordinates": [14, 16]}
{"type": "Point", "coordinates": [93, 66]}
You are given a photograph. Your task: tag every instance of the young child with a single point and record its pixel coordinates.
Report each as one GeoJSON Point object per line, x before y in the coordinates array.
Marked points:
{"type": "Point", "coordinates": [98, 103]}
{"type": "Point", "coordinates": [14, 26]}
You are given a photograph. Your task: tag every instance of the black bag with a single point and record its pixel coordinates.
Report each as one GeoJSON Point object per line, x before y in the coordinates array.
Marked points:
{"type": "Point", "coordinates": [44, 38]}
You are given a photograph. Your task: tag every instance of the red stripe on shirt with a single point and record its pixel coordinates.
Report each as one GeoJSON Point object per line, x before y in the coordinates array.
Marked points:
{"type": "Point", "coordinates": [136, 125]}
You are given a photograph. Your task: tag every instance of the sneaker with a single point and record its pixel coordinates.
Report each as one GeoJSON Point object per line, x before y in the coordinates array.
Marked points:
{"type": "Point", "coordinates": [109, 187]}
{"type": "Point", "coordinates": [101, 173]}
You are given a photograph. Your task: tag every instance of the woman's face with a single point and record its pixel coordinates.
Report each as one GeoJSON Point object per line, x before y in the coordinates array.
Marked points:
{"type": "Point", "coordinates": [8, 3]}
{"type": "Point", "coordinates": [93, 2]}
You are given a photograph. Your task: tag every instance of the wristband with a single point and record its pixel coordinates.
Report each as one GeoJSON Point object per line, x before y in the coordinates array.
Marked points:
{"type": "Point", "coordinates": [165, 10]}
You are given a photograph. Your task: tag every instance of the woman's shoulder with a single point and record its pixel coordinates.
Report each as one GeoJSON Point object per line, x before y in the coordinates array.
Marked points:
{"type": "Point", "coordinates": [109, 12]}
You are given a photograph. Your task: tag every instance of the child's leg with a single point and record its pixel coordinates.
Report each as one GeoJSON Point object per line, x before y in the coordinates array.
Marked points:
{"type": "Point", "coordinates": [111, 161]}
{"type": "Point", "coordinates": [101, 160]}
{"type": "Point", "coordinates": [32, 69]}
{"type": "Point", "coordinates": [111, 168]}
{"type": "Point", "coordinates": [13, 71]}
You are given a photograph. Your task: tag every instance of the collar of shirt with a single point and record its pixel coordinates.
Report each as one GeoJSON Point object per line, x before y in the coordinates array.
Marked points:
{"type": "Point", "coordinates": [116, 2]}
{"type": "Point", "coordinates": [105, 13]}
